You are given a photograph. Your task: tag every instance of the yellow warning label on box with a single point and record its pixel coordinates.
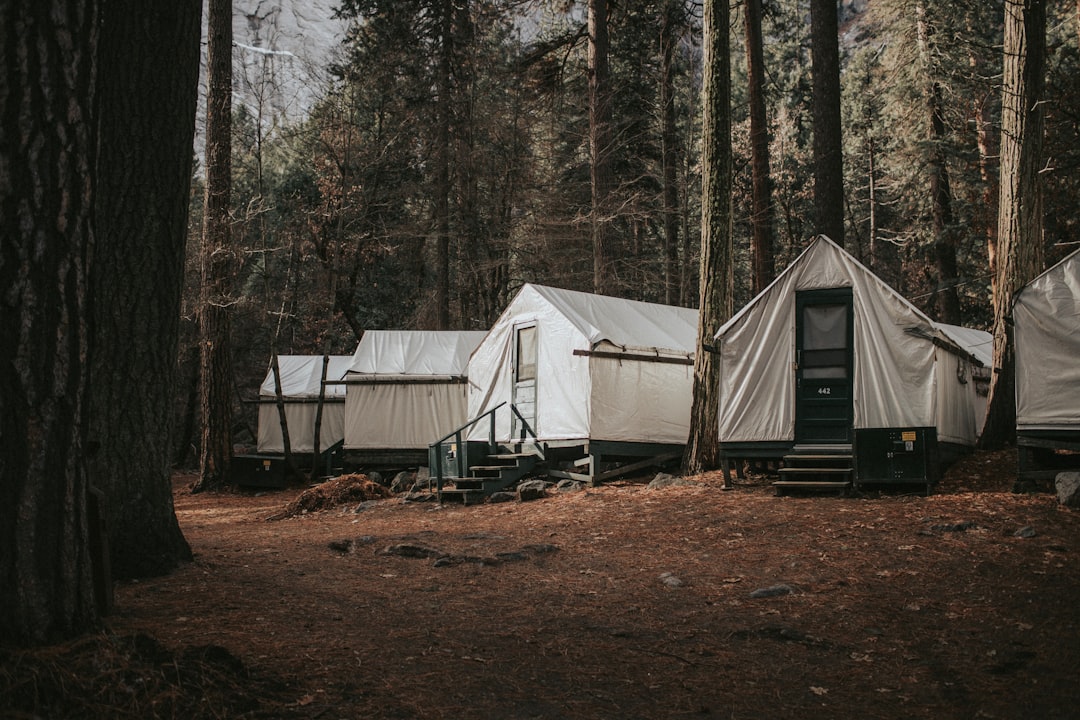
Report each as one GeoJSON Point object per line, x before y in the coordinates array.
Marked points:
{"type": "Point", "coordinates": [908, 436]}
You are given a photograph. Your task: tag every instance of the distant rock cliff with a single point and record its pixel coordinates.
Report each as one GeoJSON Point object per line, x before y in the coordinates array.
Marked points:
{"type": "Point", "coordinates": [281, 49]}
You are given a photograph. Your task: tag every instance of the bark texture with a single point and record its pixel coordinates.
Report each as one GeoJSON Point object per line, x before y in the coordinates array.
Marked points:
{"type": "Point", "coordinates": [827, 146]}
{"type": "Point", "coordinates": [442, 169]}
{"type": "Point", "coordinates": [215, 395]}
{"type": "Point", "coordinates": [47, 88]}
{"type": "Point", "coordinates": [948, 299]}
{"type": "Point", "coordinates": [669, 151]}
{"type": "Point", "coordinates": [761, 241]}
{"type": "Point", "coordinates": [1020, 206]}
{"type": "Point", "coordinates": [600, 146]}
{"type": "Point", "coordinates": [717, 277]}
{"type": "Point", "coordinates": [149, 67]}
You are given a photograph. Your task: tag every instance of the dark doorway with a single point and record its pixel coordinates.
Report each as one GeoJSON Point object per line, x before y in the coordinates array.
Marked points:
{"type": "Point", "coordinates": [824, 361]}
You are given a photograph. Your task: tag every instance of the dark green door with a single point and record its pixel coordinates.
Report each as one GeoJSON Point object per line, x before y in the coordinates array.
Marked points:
{"type": "Point", "coordinates": [823, 366]}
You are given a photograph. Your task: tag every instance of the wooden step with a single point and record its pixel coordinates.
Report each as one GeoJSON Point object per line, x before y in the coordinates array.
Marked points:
{"type": "Point", "coordinates": [813, 484]}
{"type": "Point", "coordinates": [844, 448]}
{"type": "Point", "coordinates": [466, 496]}
{"type": "Point", "coordinates": [816, 471]}
{"type": "Point", "coordinates": [835, 486]}
{"type": "Point", "coordinates": [817, 457]}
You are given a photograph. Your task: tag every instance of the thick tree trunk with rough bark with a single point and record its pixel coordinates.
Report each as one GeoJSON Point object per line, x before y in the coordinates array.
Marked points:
{"type": "Point", "coordinates": [215, 361]}
{"type": "Point", "coordinates": [600, 146]}
{"type": "Point", "coordinates": [149, 72]}
{"type": "Point", "coordinates": [717, 277]}
{"type": "Point", "coordinates": [827, 145]}
{"type": "Point", "coordinates": [47, 144]}
{"type": "Point", "coordinates": [761, 241]}
{"type": "Point", "coordinates": [1020, 206]}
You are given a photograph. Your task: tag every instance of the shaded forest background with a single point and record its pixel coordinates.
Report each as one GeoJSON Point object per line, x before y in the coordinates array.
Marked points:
{"type": "Point", "coordinates": [454, 148]}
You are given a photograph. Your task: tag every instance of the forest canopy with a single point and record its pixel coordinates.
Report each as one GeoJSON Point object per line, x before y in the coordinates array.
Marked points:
{"type": "Point", "coordinates": [446, 162]}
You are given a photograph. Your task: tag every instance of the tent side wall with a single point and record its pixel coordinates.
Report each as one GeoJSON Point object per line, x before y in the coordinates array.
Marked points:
{"type": "Point", "coordinates": [640, 400]}
{"type": "Point", "coordinates": [562, 378]}
{"type": "Point", "coordinates": [402, 415]}
{"type": "Point", "coordinates": [1047, 333]}
{"type": "Point", "coordinates": [300, 417]}
{"type": "Point", "coordinates": [960, 408]}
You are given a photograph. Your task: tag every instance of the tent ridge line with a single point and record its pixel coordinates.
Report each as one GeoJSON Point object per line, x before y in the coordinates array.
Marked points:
{"type": "Point", "coordinates": [635, 356]}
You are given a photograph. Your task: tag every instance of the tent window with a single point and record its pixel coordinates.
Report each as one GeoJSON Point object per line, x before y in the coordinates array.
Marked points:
{"type": "Point", "coordinates": [824, 351]}
{"type": "Point", "coordinates": [526, 354]}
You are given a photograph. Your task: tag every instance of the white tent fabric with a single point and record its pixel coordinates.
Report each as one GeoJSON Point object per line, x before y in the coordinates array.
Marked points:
{"type": "Point", "coordinates": [388, 353]}
{"type": "Point", "coordinates": [1046, 316]}
{"type": "Point", "coordinates": [584, 396]}
{"type": "Point", "coordinates": [406, 389]}
{"type": "Point", "coordinates": [301, 379]}
{"type": "Point", "coordinates": [895, 381]}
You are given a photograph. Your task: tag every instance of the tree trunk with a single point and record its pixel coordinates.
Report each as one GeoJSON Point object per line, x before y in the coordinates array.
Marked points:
{"type": "Point", "coordinates": [669, 150]}
{"type": "Point", "coordinates": [947, 298]}
{"type": "Point", "coordinates": [1019, 230]}
{"type": "Point", "coordinates": [149, 70]}
{"type": "Point", "coordinates": [827, 145]}
{"type": "Point", "coordinates": [717, 277]}
{"type": "Point", "coordinates": [47, 145]}
{"type": "Point", "coordinates": [216, 394]}
{"type": "Point", "coordinates": [986, 141]}
{"type": "Point", "coordinates": [600, 146]}
{"type": "Point", "coordinates": [442, 169]}
{"type": "Point", "coordinates": [761, 242]}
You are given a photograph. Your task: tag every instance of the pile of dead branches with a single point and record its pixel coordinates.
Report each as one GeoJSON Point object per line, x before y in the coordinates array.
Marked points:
{"type": "Point", "coordinates": [342, 490]}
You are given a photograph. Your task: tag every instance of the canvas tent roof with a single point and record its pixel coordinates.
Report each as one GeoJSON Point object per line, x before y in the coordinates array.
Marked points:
{"type": "Point", "coordinates": [406, 388]}
{"type": "Point", "coordinates": [895, 381]}
{"type": "Point", "coordinates": [301, 376]}
{"type": "Point", "coordinates": [594, 379]}
{"type": "Point", "coordinates": [1046, 316]}
{"type": "Point", "coordinates": [979, 344]}
{"type": "Point", "coordinates": [414, 352]}
{"type": "Point", "coordinates": [627, 324]}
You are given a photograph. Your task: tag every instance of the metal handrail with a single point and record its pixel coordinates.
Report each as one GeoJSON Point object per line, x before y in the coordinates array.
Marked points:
{"type": "Point", "coordinates": [462, 459]}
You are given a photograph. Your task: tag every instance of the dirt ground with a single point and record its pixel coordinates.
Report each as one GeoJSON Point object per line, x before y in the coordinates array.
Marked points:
{"type": "Point", "coordinates": [625, 602]}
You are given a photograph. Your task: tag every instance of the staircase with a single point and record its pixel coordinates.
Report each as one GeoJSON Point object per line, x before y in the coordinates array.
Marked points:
{"type": "Point", "coordinates": [817, 468]}
{"type": "Point", "coordinates": [501, 470]}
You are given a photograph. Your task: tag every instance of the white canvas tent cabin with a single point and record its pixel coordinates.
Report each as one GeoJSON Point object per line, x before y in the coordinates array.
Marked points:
{"type": "Point", "coordinates": [833, 371]}
{"type": "Point", "coordinates": [585, 380]}
{"type": "Point", "coordinates": [302, 390]}
{"type": "Point", "coordinates": [404, 390]}
{"type": "Point", "coordinates": [1046, 326]}
{"type": "Point", "coordinates": [308, 399]}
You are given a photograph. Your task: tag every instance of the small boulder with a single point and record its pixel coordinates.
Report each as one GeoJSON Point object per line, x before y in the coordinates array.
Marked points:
{"type": "Point", "coordinates": [1067, 485]}
{"type": "Point", "coordinates": [568, 485]}
{"type": "Point", "coordinates": [402, 482]}
{"type": "Point", "coordinates": [670, 580]}
{"type": "Point", "coordinates": [501, 497]}
{"type": "Point", "coordinates": [663, 480]}
{"type": "Point", "coordinates": [1025, 532]}
{"type": "Point", "coordinates": [772, 591]}
{"type": "Point", "coordinates": [532, 490]}
{"type": "Point", "coordinates": [411, 551]}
